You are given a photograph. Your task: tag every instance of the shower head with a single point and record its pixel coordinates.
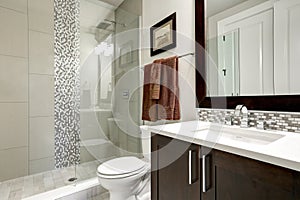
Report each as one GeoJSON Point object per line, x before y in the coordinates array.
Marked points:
{"type": "Point", "coordinates": [114, 22]}
{"type": "Point", "coordinates": [105, 28]}
{"type": "Point", "coordinates": [103, 25]}
{"type": "Point", "coordinates": [107, 23]}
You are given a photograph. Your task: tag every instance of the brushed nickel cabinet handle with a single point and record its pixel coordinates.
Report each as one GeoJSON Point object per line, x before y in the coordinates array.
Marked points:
{"type": "Point", "coordinates": [190, 167]}
{"type": "Point", "coordinates": [204, 173]}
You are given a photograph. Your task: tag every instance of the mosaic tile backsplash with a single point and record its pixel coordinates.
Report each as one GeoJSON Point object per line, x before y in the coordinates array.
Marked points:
{"type": "Point", "coordinates": [275, 120]}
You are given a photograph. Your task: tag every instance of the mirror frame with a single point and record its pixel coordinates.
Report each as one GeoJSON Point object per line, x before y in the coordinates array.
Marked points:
{"type": "Point", "coordinates": [282, 103]}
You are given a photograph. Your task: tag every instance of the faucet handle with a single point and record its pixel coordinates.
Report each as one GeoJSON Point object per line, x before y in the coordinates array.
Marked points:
{"type": "Point", "coordinates": [261, 124]}
{"type": "Point", "coordinates": [229, 120]}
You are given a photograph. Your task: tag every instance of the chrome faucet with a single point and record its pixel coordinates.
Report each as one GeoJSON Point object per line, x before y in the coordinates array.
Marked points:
{"type": "Point", "coordinates": [242, 111]}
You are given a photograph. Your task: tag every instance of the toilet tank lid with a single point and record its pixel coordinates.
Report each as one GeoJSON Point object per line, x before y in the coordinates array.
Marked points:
{"type": "Point", "coordinates": [122, 165]}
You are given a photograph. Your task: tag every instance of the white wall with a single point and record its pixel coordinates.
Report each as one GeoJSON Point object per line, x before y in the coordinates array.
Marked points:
{"type": "Point", "coordinates": [153, 12]}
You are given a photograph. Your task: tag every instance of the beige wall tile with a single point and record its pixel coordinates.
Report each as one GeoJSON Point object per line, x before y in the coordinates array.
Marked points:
{"type": "Point", "coordinates": [41, 15]}
{"type": "Point", "coordinates": [134, 114]}
{"type": "Point", "coordinates": [134, 144]}
{"type": "Point", "coordinates": [13, 79]}
{"type": "Point", "coordinates": [102, 122]}
{"type": "Point", "coordinates": [13, 125]}
{"type": "Point", "coordinates": [94, 124]}
{"type": "Point", "coordinates": [13, 33]}
{"type": "Point", "coordinates": [18, 5]}
{"type": "Point", "coordinates": [85, 155]}
{"type": "Point", "coordinates": [98, 152]}
{"type": "Point", "coordinates": [41, 95]}
{"type": "Point", "coordinates": [14, 163]}
{"type": "Point", "coordinates": [123, 140]}
{"type": "Point", "coordinates": [41, 136]}
{"type": "Point", "coordinates": [41, 53]}
{"type": "Point", "coordinates": [42, 165]}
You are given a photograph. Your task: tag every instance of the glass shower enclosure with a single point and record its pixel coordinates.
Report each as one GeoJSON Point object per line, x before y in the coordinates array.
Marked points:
{"type": "Point", "coordinates": [109, 82]}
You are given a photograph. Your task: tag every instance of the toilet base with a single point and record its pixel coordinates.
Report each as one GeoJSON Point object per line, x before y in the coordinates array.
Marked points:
{"type": "Point", "coordinates": [144, 194]}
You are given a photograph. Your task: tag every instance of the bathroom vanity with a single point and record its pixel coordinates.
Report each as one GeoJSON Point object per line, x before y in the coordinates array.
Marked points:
{"type": "Point", "coordinates": [199, 160]}
{"type": "Point", "coordinates": [241, 64]}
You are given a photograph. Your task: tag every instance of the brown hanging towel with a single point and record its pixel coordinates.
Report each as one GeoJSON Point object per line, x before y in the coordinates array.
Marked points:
{"type": "Point", "coordinates": [151, 90]}
{"type": "Point", "coordinates": [161, 102]}
{"type": "Point", "coordinates": [168, 103]}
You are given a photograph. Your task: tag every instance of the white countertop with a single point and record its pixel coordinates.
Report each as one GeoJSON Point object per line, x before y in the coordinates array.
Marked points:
{"type": "Point", "coordinates": [284, 152]}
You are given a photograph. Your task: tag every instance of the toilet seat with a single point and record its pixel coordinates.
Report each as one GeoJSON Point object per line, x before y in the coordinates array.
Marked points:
{"type": "Point", "coordinates": [121, 168]}
{"type": "Point", "coordinates": [122, 176]}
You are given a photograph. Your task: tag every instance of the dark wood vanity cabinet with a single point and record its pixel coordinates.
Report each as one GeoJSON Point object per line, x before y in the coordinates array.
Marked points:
{"type": "Point", "coordinates": [203, 173]}
{"type": "Point", "coordinates": [239, 178]}
{"type": "Point", "coordinates": [175, 170]}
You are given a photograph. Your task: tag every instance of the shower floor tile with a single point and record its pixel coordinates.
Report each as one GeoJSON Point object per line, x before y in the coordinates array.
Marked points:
{"type": "Point", "coordinates": [23, 187]}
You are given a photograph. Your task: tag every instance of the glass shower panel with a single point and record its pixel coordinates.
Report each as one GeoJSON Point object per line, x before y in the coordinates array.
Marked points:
{"type": "Point", "coordinates": [102, 114]}
{"type": "Point", "coordinates": [96, 56]}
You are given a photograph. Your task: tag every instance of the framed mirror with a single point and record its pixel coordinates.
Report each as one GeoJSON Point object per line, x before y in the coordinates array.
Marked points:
{"type": "Point", "coordinates": [249, 55]}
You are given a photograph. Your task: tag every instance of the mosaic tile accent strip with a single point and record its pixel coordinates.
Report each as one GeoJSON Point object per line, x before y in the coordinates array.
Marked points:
{"type": "Point", "coordinates": [289, 122]}
{"type": "Point", "coordinates": [67, 85]}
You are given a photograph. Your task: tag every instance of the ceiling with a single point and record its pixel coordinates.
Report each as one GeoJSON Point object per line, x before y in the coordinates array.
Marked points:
{"type": "Point", "coordinates": [216, 6]}
{"type": "Point", "coordinates": [115, 3]}
{"type": "Point", "coordinates": [93, 12]}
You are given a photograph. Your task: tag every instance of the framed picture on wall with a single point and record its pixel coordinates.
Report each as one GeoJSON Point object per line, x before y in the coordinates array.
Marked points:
{"type": "Point", "coordinates": [163, 35]}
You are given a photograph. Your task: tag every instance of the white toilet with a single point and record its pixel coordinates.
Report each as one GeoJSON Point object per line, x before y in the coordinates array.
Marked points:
{"type": "Point", "coordinates": [126, 177]}
{"type": "Point", "coordinates": [123, 177]}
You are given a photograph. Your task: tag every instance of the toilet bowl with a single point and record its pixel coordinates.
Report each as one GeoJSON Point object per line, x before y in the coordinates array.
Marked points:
{"type": "Point", "coordinates": [124, 177]}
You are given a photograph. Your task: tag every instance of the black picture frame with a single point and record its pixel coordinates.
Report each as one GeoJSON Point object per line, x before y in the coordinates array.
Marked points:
{"type": "Point", "coordinates": [163, 35]}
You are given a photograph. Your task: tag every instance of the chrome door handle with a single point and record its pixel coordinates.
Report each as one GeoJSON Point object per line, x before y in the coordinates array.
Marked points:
{"type": "Point", "coordinates": [203, 173]}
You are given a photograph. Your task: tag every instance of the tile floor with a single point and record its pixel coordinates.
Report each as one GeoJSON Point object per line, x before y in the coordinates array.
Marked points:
{"type": "Point", "coordinates": [23, 187]}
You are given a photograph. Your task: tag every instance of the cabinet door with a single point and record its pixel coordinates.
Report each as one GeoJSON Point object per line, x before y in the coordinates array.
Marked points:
{"type": "Point", "coordinates": [287, 46]}
{"type": "Point", "coordinates": [239, 178]}
{"type": "Point", "coordinates": [246, 50]}
{"type": "Point", "coordinates": [175, 170]}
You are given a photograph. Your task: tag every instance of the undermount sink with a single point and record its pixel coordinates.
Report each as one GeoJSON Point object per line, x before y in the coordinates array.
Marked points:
{"type": "Point", "coordinates": [248, 135]}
